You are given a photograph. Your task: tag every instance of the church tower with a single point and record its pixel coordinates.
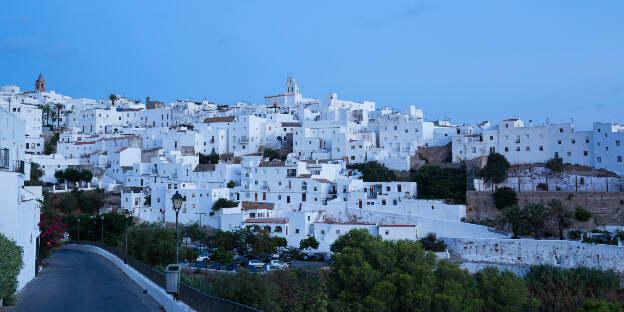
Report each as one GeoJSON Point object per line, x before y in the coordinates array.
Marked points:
{"type": "Point", "coordinates": [40, 84]}
{"type": "Point", "coordinates": [291, 86]}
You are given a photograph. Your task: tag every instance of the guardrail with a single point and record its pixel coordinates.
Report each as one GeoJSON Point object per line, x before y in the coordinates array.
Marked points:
{"type": "Point", "coordinates": [187, 294]}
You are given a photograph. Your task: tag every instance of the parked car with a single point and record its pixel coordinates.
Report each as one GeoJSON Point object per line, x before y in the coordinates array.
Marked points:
{"type": "Point", "coordinates": [255, 263]}
{"type": "Point", "coordinates": [216, 266]}
{"type": "Point", "coordinates": [242, 261]}
{"type": "Point", "coordinates": [203, 256]}
{"type": "Point", "coordinates": [232, 266]}
{"type": "Point", "coordinates": [278, 264]}
{"type": "Point", "coordinates": [251, 268]}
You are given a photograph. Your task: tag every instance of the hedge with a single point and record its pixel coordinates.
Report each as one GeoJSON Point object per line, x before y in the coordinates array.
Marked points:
{"type": "Point", "coordinates": [10, 266]}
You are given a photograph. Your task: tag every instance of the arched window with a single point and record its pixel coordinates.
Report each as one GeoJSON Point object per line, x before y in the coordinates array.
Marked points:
{"type": "Point", "coordinates": [267, 228]}
{"type": "Point", "coordinates": [278, 229]}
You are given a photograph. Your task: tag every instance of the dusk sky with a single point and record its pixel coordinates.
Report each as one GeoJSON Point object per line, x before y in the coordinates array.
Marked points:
{"type": "Point", "coordinates": [467, 60]}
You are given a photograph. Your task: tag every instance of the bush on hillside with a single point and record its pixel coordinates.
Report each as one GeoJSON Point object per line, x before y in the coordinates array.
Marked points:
{"type": "Point", "coordinates": [505, 197]}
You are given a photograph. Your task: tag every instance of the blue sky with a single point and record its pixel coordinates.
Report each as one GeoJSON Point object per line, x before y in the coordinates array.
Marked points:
{"type": "Point", "coordinates": [467, 60]}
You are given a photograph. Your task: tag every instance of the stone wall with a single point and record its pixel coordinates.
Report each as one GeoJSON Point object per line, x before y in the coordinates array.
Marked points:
{"type": "Point", "coordinates": [606, 208]}
{"type": "Point", "coordinates": [567, 254]}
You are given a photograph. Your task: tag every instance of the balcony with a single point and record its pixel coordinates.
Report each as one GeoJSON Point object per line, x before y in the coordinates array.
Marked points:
{"type": "Point", "coordinates": [243, 140]}
{"type": "Point", "coordinates": [12, 166]}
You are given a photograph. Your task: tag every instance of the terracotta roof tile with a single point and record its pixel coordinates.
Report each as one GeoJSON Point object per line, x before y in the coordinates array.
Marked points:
{"type": "Point", "coordinates": [219, 119]}
{"type": "Point", "coordinates": [257, 205]}
{"type": "Point", "coordinates": [267, 220]}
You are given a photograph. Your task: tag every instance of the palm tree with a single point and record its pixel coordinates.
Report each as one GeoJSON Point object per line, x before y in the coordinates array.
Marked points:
{"type": "Point", "coordinates": [561, 215]}
{"type": "Point", "coordinates": [46, 111]}
{"type": "Point", "coordinates": [59, 107]}
{"type": "Point", "coordinates": [53, 117]}
{"type": "Point", "coordinates": [535, 215]}
{"type": "Point", "coordinates": [113, 98]}
{"type": "Point", "coordinates": [513, 216]}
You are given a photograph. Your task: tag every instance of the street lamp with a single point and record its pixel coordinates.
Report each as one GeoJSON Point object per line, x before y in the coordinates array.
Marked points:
{"type": "Point", "coordinates": [200, 226]}
{"type": "Point", "coordinates": [102, 219]}
{"type": "Point", "coordinates": [78, 228]}
{"type": "Point", "coordinates": [176, 201]}
{"type": "Point", "coordinates": [127, 215]}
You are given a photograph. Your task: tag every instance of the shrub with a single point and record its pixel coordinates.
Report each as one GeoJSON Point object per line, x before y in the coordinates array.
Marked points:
{"type": "Point", "coordinates": [600, 306]}
{"type": "Point", "coordinates": [432, 243]}
{"type": "Point", "coordinates": [505, 197]}
{"type": "Point", "coordinates": [222, 256]}
{"type": "Point", "coordinates": [10, 266]}
{"type": "Point", "coordinates": [561, 289]}
{"type": "Point", "coordinates": [189, 254]}
{"type": "Point", "coordinates": [271, 154]}
{"type": "Point", "coordinates": [582, 214]}
{"type": "Point", "coordinates": [555, 164]}
{"type": "Point", "coordinates": [231, 184]}
{"type": "Point", "coordinates": [223, 203]}
{"type": "Point", "coordinates": [212, 158]}
{"type": "Point", "coordinates": [575, 234]}
{"type": "Point", "coordinates": [542, 186]}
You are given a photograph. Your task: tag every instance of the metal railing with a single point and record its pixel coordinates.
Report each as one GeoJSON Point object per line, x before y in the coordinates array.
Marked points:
{"type": "Point", "coordinates": [187, 294]}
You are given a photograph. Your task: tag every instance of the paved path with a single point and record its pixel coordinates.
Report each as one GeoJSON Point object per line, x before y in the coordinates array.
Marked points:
{"type": "Point", "coordinates": [80, 281]}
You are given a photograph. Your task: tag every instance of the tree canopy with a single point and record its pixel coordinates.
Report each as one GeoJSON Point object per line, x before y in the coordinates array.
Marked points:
{"type": "Point", "coordinates": [435, 182]}
{"type": "Point", "coordinates": [496, 168]}
{"type": "Point", "coordinates": [373, 171]}
{"type": "Point", "coordinates": [505, 197]}
{"type": "Point", "coordinates": [212, 158]}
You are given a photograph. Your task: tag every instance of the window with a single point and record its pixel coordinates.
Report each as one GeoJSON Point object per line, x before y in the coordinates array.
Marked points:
{"type": "Point", "coordinates": [387, 232]}
{"type": "Point", "coordinates": [383, 202]}
{"type": "Point", "coordinates": [560, 129]}
{"type": "Point", "coordinates": [506, 149]}
{"type": "Point", "coordinates": [586, 140]}
{"type": "Point", "coordinates": [296, 231]}
{"type": "Point", "coordinates": [559, 142]}
{"type": "Point", "coordinates": [337, 231]}
{"type": "Point", "coordinates": [617, 142]}
{"type": "Point", "coordinates": [528, 148]}
{"type": "Point", "coordinates": [323, 232]}
{"type": "Point", "coordinates": [619, 159]}
{"type": "Point", "coordinates": [569, 154]}
{"type": "Point", "coordinates": [491, 137]}
{"type": "Point", "coordinates": [585, 153]}
{"type": "Point", "coordinates": [573, 141]}
{"type": "Point", "coordinates": [517, 148]}
{"type": "Point", "coordinates": [599, 159]}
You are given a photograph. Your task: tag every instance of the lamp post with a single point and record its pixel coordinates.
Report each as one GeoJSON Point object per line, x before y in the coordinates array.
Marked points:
{"type": "Point", "coordinates": [102, 221]}
{"type": "Point", "coordinates": [126, 223]}
{"type": "Point", "coordinates": [200, 227]}
{"type": "Point", "coordinates": [78, 228]}
{"type": "Point", "coordinates": [176, 201]}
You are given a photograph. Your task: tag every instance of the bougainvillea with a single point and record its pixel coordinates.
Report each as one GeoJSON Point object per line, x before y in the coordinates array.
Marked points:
{"type": "Point", "coordinates": [52, 233]}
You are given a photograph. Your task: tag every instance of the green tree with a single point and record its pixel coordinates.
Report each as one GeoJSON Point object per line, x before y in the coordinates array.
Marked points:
{"type": "Point", "coordinates": [373, 171]}
{"type": "Point", "coordinates": [263, 243]}
{"type": "Point", "coordinates": [188, 254]}
{"type": "Point", "coordinates": [454, 290]}
{"type": "Point", "coordinates": [60, 176]}
{"type": "Point", "coordinates": [535, 214]}
{"type": "Point", "coordinates": [280, 242]}
{"type": "Point", "coordinates": [560, 214]}
{"type": "Point", "coordinates": [35, 171]}
{"type": "Point", "coordinates": [194, 232]}
{"type": "Point", "coordinates": [222, 256]}
{"type": "Point", "coordinates": [231, 184]}
{"type": "Point", "coordinates": [496, 168]}
{"type": "Point", "coordinates": [309, 242]}
{"type": "Point", "coordinates": [503, 291]}
{"type": "Point", "coordinates": [505, 197]}
{"type": "Point", "coordinates": [435, 182]}
{"type": "Point", "coordinates": [86, 175]}
{"type": "Point", "coordinates": [59, 107]}
{"type": "Point", "coordinates": [514, 216]}
{"type": "Point", "coordinates": [212, 158]}
{"type": "Point", "coordinates": [113, 98]}
{"type": "Point", "coordinates": [581, 214]}
{"type": "Point", "coordinates": [368, 274]}
{"type": "Point", "coordinates": [555, 164]}
{"type": "Point", "coordinates": [72, 175]}
{"type": "Point", "coordinates": [152, 243]}
{"type": "Point", "coordinates": [271, 154]}
{"type": "Point", "coordinates": [10, 266]}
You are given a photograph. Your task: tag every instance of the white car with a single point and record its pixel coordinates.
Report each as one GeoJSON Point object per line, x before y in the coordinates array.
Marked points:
{"type": "Point", "coordinates": [202, 258]}
{"type": "Point", "coordinates": [278, 264]}
{"type": "Point", "coordinates": [257, 263]}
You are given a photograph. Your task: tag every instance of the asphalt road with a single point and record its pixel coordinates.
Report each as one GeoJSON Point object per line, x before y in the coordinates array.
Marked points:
{"type": "Point", "coordinates": [80, 281]}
